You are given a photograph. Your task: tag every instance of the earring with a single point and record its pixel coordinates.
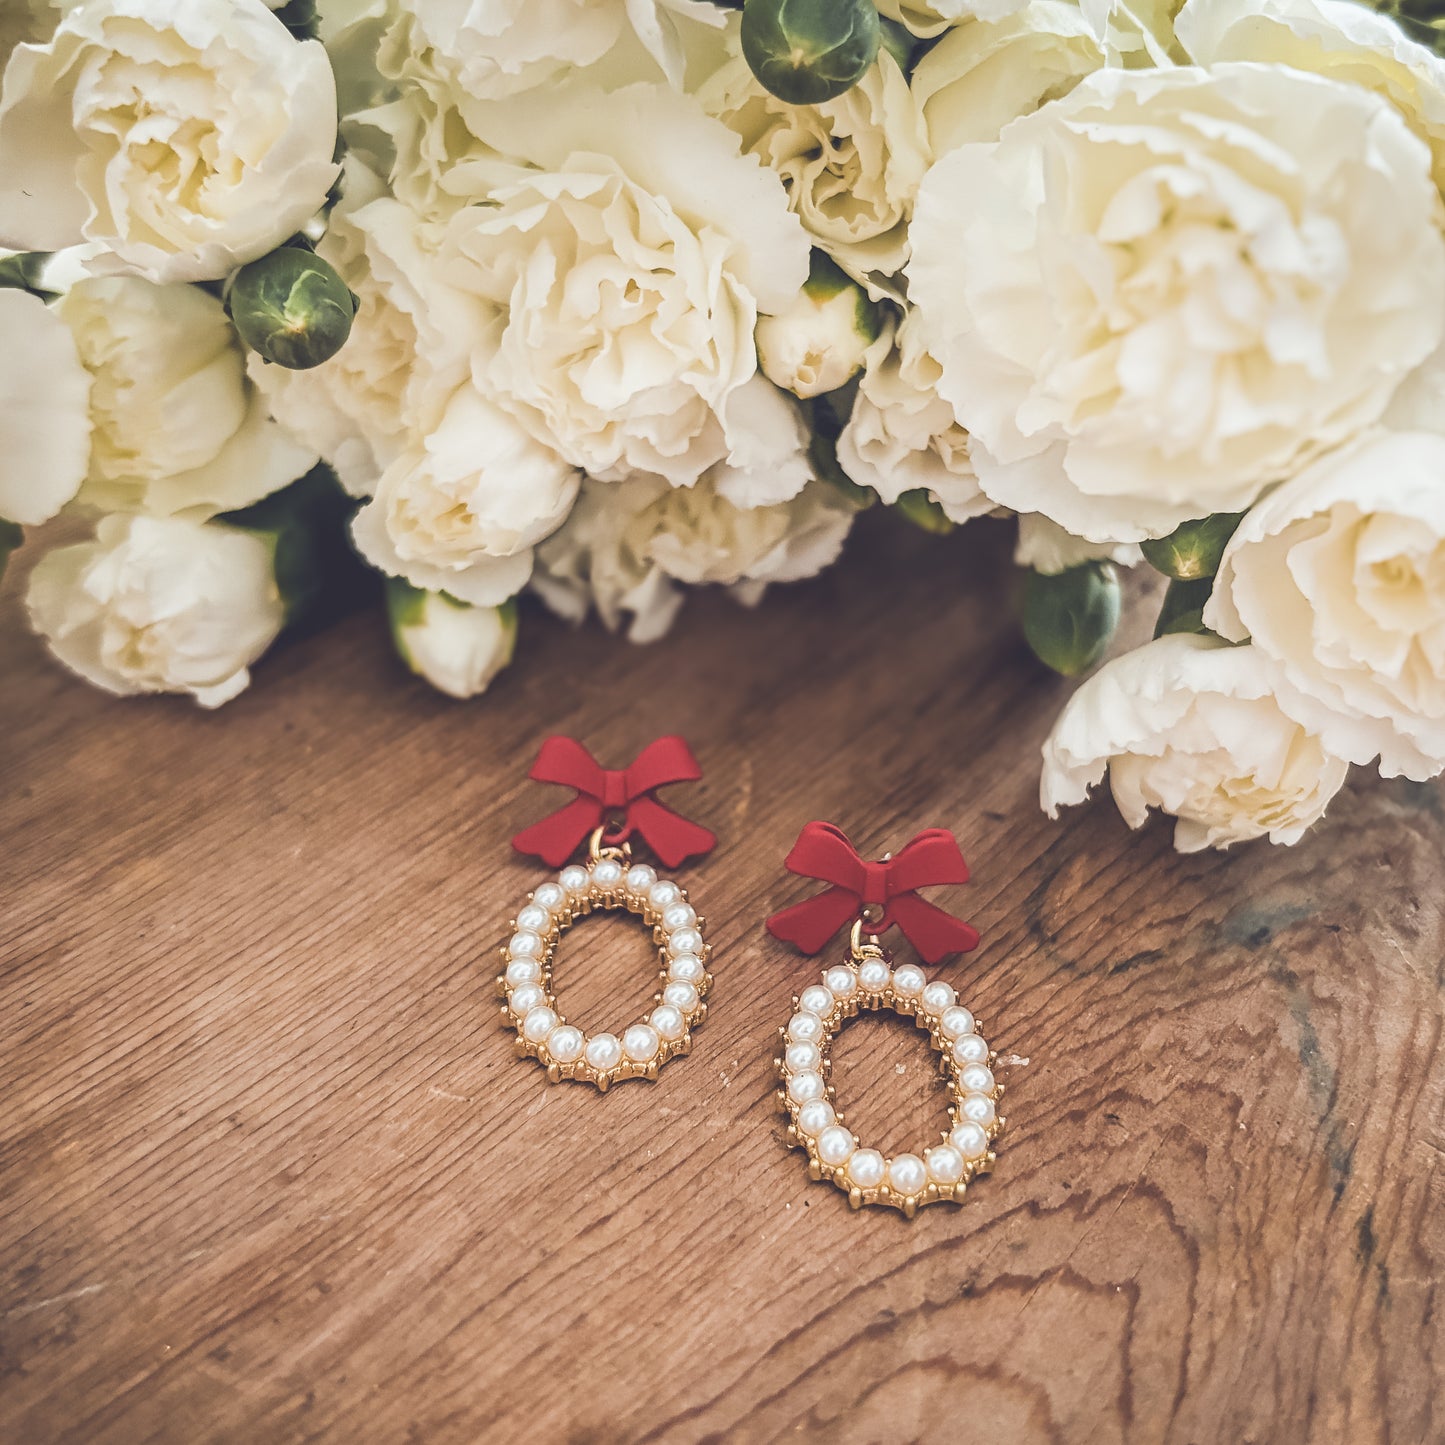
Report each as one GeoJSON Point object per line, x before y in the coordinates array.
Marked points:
{"type": "Point", "coordinates": [874, 897]}
{"type": "Point", "coordinates": [610, 809]}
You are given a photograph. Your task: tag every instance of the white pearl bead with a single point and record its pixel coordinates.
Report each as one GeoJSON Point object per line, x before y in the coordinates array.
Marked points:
{"type": "Point", "coordinates": [976, 1079]}
{"type": "Point", "coordinates": [969, 1140]}
{"type": "Point", "coordinates": [663, 894]}
{"type": "Point", "coordinates": [533, 918]}
{"type": "Point", "coordinates": [835, 1144]}
{"type": "Point", "coordinates": [564, 1043]}
{"type": "Point", "coordinates": [640, 878]}
{"type": "Point", "coordinates": [815, 1116]}
{"type": "Point", "coordinates": [939, 996]}
{"type": "Point", "coordinates": [681, 995]}
{"type": "Point", "coordinates": [668, 1022]}
{"type": "Point", "coordinates": [680, 915]}
{"type": "Point", "coordinates": [873, 975]}
{"type": "Point", "coordinates": [945, 1164]}
{"type": "Point", "coordinates": [841, 982]}
{"type": "Point", "coordinates": [525, 997]}
{"type": "Point", "coordinates": [907, 1175]}
{"type": "Point", "coordinates": [687, 967]}
{"type": "Point", "coordinates": [970, 1049]}
{"type": "Point", "coordinates": [802, 1057]}
{"type": "Point", "coordinates": [603, 1051]}
{"type": "Point", "coordinates": [525, 945]}
{"type": "Point", "coordinates": [523, 970]}
{"type": "Point", "coordinates": [865, 1169]}
{"type": "Point", "coordinates": [979, 1109]}
{"type": "Point", "coordinates": [908, 981]}
{"type": "Point", "coordinates": [685, 940]}
{"type": "Point", "coordinates": [538, 1023]}
{"type": "Point", "coordinates": [805, 1028]}
{"type": "Point", "coordinates": [803, 1087]}
{"type": "Point", "coordinates": [550, 896]}
{"type": "Point", "coordinates": [640, 1043]}
{"type": "Point", "coordinates": [955, 1022]}
{"type": "Point", "coordinates": [607, 873]}
{"type": "Point", "coordinates": [816, 999]}
{"type": "Point", "coordinates": [574, 879]}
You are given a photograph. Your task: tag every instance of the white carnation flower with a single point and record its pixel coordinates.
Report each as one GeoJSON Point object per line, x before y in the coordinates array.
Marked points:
{"type": "Point", "coordinates": [1193, 728]}
{"type": "Point", "coordinates": [626, 273]}
{"type": "Point", "coordinates": [185, 138]}
{"type": "Point", "coordinates": [1337, 38]}
{"type": "Point", "coordinates": [1044, 546]}
{"type": "Point", "coordinates": [176, 425]}
{"type": "Point", "coordinates": [851, 165]}
{"type": "Point", "coordinates": [457, 648]}
{"type": "Point", "coordinates": [627, 545]}
{"type": "Point", "coordinates": [1157, 295]}
{"type": "Point", "coordinates": [44, 411]}
{"type": "Point", "coordinates": [927, 18]}
{"type": "Point", "coordinates": [159, 604]}
{"type": "Point", "coordinates": [902, 436]}
{"type": "Point", "coordinates": [407, 353]}
{"type": "Point", "coordinates": [1339, 577]}
{"type": "Point", "coordinates": [460, 509]}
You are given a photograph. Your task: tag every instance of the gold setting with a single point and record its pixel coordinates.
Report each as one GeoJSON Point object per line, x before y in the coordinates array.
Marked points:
{"type": "Point", "coordinates": [610, 881]}
{"type": "Point", "coordinates": [904, 1182]}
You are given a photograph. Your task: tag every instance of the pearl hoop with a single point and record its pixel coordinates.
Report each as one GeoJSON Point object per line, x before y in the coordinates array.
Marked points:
{"type": "Point", "coordinates": [834, 1152]}
{"type": "Point", "coordinates": [543, 1033]}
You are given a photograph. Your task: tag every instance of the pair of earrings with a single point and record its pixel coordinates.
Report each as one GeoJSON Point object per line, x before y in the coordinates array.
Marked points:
{"type": "Point", "coordinates": [611, 809]}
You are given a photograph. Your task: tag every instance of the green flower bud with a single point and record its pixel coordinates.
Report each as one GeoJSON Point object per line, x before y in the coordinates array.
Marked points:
{"type": "Point", "coordinates": [457, 648]}
{"type": "Point", "coordinates": [1193, 549]}
{"type": "Point", "coordinates": [10, 538]}
{"type": "Point", "coordinates": [919, 508]}
{"type": "Point", "coordinates": [1183, 607]}
{"type": "Point", "coordinates": [21, 272]}
{"type": "Point", "coordinates": [809, 51]}
{"type": "Point", "coordinates": [819, 342]}
{"type": "Point", "coordinates": [292, 308]}
{"type": "Point", "coordinates": [1070, 617]}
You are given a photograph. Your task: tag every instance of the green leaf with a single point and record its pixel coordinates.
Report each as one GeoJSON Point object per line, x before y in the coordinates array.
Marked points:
{"type": "Point", "coordinates": [1193, 549]}
{"type": "Point", "coordinates": [1069, 617]}
{"type": "Point", "coordinates": [919, 508]}
{"type": "Point", "coordinates": [10, 538]}
{"type": "Point", "coordinates": [1183, 607]}
{"type": "Point", "coordinates": [809, 51]}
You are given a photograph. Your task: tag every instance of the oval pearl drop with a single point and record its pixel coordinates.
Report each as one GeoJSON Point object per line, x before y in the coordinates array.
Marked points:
{"type": "Point", "coordinates": [816, 1000]}
{"type": "Point", "coordinates": [976, 1079]}
{"type": "Point", "coordinates": [970, 1049]}
{"type": "Point", "coordinates": [908, 981]}
{"type": "Point", "coordinates": [955, 1022]}
{"type": "Point", "coordinates": [835, 1144]}
{"type": "Point", "coordinates": [969, 1140]}
{"type": "Point", "coordinates": [907, 1174]}
{"type": "Point", "coordinates": [945, 1164]}
{"type": "Point", "coordinates": [804, 1087]}
{"type": "Point", "coordinates": [538, 1023]}
{"type": "Point", "coordinates": [815, 1116]}
{"type": "Point", "coordinates": [668, 1022]}
{"type": "Point", "coordinates": [564, 1043]}
{"type": "Point", "coordinates": [939, 996]}
{"type": "Point", "coordinates": [603, 1051]}
{"type": "Point", "coordinates": [865, 1169]}
{"type": "Point", "coordinates": [640, 1043]}
{"type": "Point", "coordinates": [802, 1057]}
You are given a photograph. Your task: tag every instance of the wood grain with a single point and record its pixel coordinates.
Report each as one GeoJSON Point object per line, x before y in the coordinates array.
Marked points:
{"type": "Point", "coordinates": [269, 1170]}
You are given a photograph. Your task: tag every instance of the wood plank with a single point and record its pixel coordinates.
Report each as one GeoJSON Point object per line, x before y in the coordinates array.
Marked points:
{"type": "Point", "coordinates": [270, 1171]}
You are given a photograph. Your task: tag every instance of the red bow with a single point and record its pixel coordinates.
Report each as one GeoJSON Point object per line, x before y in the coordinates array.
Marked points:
{"type": "Point", "coordinates": [606, 792]}
{"type": "Point", "coordinates": [823, 851]}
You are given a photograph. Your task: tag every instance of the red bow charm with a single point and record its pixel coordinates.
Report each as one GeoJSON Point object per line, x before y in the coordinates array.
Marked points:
{"type": "Point", "coordinates": [604, 793]}
{"type": "Point", "coordinates": [823, 851]}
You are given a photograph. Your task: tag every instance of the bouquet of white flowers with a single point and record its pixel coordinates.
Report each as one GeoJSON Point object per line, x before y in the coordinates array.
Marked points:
{"type": "Point", "coordinates": [602, 298]}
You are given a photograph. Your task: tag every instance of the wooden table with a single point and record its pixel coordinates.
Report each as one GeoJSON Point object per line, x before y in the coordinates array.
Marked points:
{"type": "Point", "coordinates": [271, 1172]}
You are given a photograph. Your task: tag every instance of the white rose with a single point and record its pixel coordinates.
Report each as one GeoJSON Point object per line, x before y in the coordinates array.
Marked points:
{"type": "Point", "coordinates": [1339, 577]}
{"type": "Point", "coordinates": [186, 138]}
{"type": "Point", "coordinates": [626, 273]}
{"type": "Point", "coordinates": [457, 648]}
{"type": "Point", "coordinates": [44, 411]}
{"type": "Point", "coordinates": [851, 165]}
{"type": "Point", "coordinates": [1192, 727]}
{"type": "Point", "coordinates": [1157, 295]}
{"type": "Point", "coordinates": [902, 436]}
{"type": "Point", "coordinates": [176, 425]}
{"type": "Point", "coordinates": [627, 544]}
{"type": "Point", "coordinates": [407, 353]}
{"type": "Point", "coordinates": [461, 508]}
{"type": "Point", "coordinates": [1337, 38]}
{"type": "Point", "coordinates": [159, 604]}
